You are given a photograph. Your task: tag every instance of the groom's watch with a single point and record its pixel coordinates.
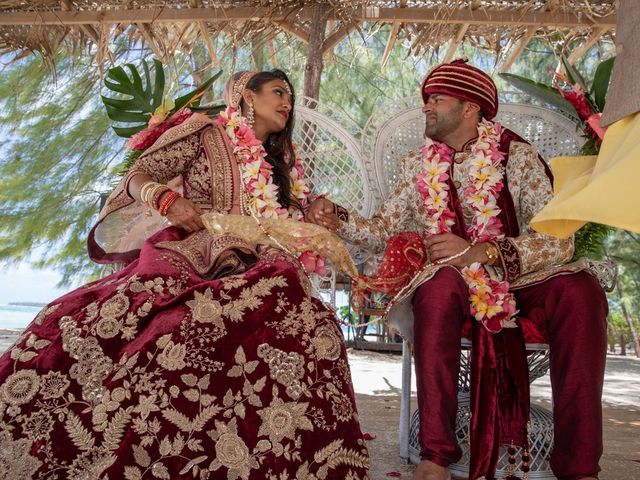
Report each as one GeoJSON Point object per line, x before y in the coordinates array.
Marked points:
{"type": "Point", "coordinates": [492, 253]}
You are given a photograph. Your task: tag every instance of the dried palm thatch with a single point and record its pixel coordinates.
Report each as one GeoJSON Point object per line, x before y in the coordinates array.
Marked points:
{"type": "Point", "coordinates": [502, 26]}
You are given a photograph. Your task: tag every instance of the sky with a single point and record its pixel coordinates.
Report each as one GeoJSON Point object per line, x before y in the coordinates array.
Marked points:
{"type": "Point", "coordinates": [21, 283]}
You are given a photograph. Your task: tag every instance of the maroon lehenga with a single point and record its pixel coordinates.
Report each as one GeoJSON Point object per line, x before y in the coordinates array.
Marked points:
{"type": "Point", "coordinates": [204, 358]}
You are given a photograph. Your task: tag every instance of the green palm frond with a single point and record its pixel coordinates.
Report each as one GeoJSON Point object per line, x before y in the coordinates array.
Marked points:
{"type": "Point", "coordinates": [542, 92]}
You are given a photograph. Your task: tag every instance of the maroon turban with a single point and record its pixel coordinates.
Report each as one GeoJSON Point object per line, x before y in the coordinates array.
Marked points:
{"type": "Point", "coordinates": [465, 82]}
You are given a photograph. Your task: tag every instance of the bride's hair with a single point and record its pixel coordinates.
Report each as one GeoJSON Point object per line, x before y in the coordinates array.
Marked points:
{"type": "Point", "coordinates": [279, 146]}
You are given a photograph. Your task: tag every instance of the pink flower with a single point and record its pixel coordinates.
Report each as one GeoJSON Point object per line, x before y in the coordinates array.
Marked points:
{"type": "Point", "coordinates": [594, 122]}
{"type": "Point", "coordinates": [147, 137]}
{"type": "Point", "coordinates": [157, 126]}
{"type": "Point", "coordinates": [579, 102]}
{"type": "Point", "coordinates": [180, 116]}
{"type": "Point", "coordinates": [313, 263]}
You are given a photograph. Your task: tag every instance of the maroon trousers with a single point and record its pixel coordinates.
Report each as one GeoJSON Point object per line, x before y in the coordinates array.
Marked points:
{"type": "Point", "coordinates": [572, 310]}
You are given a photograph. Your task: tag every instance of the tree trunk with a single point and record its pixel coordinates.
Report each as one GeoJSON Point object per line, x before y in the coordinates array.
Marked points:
{"type": "Point", "coordinates": [623, 346]}
{"type": "Point", "coordinates": [257, 52]}
{"type": "Point", "coordinates": [630, 322]}
{"type": "Point", "coordinates": [313, 69]}
{"type": "Point", "coordinates": [312, 76]}
{"type": "Point", "coordinates": [611, 340]}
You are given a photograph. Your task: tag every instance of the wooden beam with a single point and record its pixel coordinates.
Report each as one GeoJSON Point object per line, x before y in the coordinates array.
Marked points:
{"type": "Point", "coordinates": [338, 35]}
{"type": "Point", "coordinates": [375, 14]}
{"type": "Point", "coordinates": [587, 44]}
{"type": "Point", "coordinates": [293, 30]}
{"type": "Point", "coordinates": [484, 16]}
{"type": "Point", "coordinates": [517, 50]}
{"type": "Point", "coordinates": [91, 32]}
{"type": "Point", "coordinates": [455, 43]}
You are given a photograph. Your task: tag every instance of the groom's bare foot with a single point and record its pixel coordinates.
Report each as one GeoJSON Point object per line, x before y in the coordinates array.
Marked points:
{"type": "Point", "coordinates": [428, 470]}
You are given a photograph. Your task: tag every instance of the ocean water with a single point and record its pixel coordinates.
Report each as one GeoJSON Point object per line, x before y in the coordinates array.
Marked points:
{"type": "Point", "coordinates": [16, 316]}
{"type": "Point", "coordinates": [19, 316]}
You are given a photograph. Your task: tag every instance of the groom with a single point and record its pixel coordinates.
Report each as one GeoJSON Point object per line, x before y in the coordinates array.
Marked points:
{"type": "Point", "coordinates": [476, 210]}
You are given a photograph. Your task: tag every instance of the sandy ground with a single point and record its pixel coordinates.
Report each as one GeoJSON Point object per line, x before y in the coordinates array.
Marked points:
{"type": "Point", "coordinates": [376, 379]}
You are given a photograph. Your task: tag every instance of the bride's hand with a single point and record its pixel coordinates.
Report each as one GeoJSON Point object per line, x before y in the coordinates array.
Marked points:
{"type": "Point", "coordinates": [321, 213]}
{"type": "Point", "coordinates": [185, 214]}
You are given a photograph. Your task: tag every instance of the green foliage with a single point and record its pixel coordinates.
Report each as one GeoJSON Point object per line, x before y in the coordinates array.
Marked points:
{"type": "Point", "coordinates": [346, 314]}
{"type": "Point", "coordinates": [192, 99]}
{"type": "Point", "coordinates": [624, 248]}
{"type": "Point", "coordinates": [59, 155]}
{"type": "Point", "coordinates": [56, 157]}
{"type": "Point", "coordinates": [590, 241]}
{"type": "Point", "coordinates": [601, 81]}
{"type": "Point", "coordinates": [544, 93]}
{"type": "Point", "coordinates": [144, 98]}
{"type": "Point", "coordinates": [573, 74]}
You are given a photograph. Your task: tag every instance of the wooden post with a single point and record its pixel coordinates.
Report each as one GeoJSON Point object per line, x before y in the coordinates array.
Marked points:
{"type": "Point", "coordinates": [257, 52]}
{"type": "Point", "coordinates": [313, 69]}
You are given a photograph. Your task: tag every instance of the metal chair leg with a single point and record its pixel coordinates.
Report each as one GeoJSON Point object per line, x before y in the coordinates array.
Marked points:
{"type": "Point", "coordinates": [405, 401]}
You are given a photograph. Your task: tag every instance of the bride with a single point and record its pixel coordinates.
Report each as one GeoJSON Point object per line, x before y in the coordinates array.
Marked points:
{"type": "Point", "coordinates": [205, 357]}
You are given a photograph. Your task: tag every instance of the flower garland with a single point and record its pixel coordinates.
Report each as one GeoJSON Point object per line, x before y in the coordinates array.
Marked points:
{"type": "Point", "coordinates": [491, 302]}
{"type": "Point", "coordinates": [257, 178]}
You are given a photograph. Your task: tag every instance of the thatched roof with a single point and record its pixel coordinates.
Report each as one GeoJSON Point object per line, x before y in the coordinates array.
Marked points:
{"type": "Point", "coordinates": [504, 26]}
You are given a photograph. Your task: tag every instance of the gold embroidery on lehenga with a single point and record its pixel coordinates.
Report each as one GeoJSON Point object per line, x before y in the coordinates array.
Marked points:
{"type": "Point", "coordinates": [45, 312]}
{"type": "Point", "coordinates": [53, 385]}
{"type": "Point", "coordinates": [205, 309]}
{"type": "Point", "coordinates": [16, 461]}
{"type": "Point", "coordinates": [38, 425]}
{"type": "Point", "coordinates": [231, 451]}
{"type": "Point", "coordinates": [285, 368]}
{"type": "Point", "coordinates": [91, 464]}
{"type": "Point", "coordinates": [341, 407]}
{"type": "Point", "coordinates": [29, 349]}
{"type": "Point", "coordinates": [172, 356]}
{"type": "Point", "coordinates": [142, 397]}
{"type": "Point", "coordinates": [326, 343]}
{"type": "Point", "coordinates": [91, 366]}
{"type": "Point", "coordinates": [281, 420]}
{"type": "Point", "coordinates": [20, 387]}
{"type": "Point", "coordinates": [233, 281]}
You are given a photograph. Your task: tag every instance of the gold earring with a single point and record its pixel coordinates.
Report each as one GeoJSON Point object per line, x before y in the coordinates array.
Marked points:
{"type": "Point", "coordinates": [250, 116]}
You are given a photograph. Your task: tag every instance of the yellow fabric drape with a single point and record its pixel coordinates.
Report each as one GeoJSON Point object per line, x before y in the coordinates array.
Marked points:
{"type": "Point", "coordinates": [600, 189]}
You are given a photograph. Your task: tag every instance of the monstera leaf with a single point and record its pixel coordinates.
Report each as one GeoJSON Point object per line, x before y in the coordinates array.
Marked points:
{"type": "Point", "coordinates": [143, 96]}
{"type": "Point", "coordinates": [542, 92]}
